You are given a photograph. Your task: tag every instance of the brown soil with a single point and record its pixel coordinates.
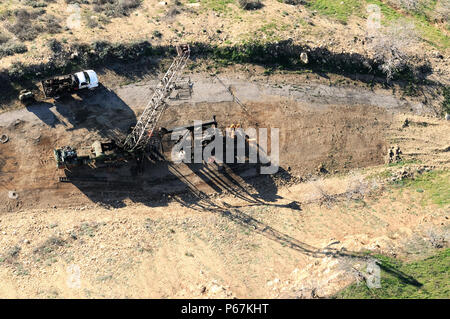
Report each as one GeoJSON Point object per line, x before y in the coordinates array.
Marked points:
{"type": "Point", "coordinates": [159, 235]}
{"type": "Point", "coordinates": [335, 137]}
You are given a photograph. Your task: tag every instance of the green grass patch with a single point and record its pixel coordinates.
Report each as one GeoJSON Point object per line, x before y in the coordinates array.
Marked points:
{"type": "Point", "coordinates": [340, 10]}
{"type": "Point", "coordinates": [403, 163]}
{"type": "Point", "coordinates": [427, 278]}
{"type": "Point", "coordinates": [429, 33]}
{"type": "Point", "coordinates": [270, 29]}
{"type": "Point", "coordinates": [218, 5]}
{"type": "Point", "coordinates": [435, 187]}
{"type": "Point", "coordinates": [388, 13]}
{"type": "Point", "coordinates": [420, 18]}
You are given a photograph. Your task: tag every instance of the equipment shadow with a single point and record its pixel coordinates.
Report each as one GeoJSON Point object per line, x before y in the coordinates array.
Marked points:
{"type": "Point", "coordinates": [100, 111]}
{"type": "Point", "coordinates": [154, 180]}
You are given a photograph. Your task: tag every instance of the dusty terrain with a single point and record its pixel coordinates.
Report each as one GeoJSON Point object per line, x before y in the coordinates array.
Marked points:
{"type": "Point", "coordinates": [182, 230]}
{"type": "Point", "coordinates": [339, 26]}
{"type": "Point", "coordinates": [332, 134]}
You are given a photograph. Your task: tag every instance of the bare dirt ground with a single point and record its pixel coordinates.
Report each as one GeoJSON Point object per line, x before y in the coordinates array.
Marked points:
{"type": "Point", "coordinates": [221, 23]}
{"type": "Point", "coordinates": [182, 230]}
{"type": "Point", "coordinates": [344, 136]}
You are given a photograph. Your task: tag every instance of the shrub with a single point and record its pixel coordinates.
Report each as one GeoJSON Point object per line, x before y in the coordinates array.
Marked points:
{"type": "Point", "coordinates": [4, 37]}
{"type": "Point", "coordinates": [17, 70]}
{"type": "Point", "coordinates": [446, 102]}
{"type": "Point", "coordinates": [11, 48]}
{"type": "Point", "coordinates": [442, 11]}
{"type": "Point", "coordinates": [35, 4]}
{"type": "Point", "coordinates": [250, 4]}
{"type": "Point", "coordinates": [92, 22]}
{"type": "Point", "coordinates": [408, 5]}
{"type": "Point", "coordinates": [51, 24]}
{"type": "Point", "coordinates": [293, 2]}
{"type": "Point", "coordinates": [391, 48]}
{"type": "Point", "coordinates": [55, 45]}
{"type": "Point", "coordinates": [115, 8]}
{"type": "Point", "coordinates": [23, 26]}
{"type": "Point", "coordinates": [157, 34]}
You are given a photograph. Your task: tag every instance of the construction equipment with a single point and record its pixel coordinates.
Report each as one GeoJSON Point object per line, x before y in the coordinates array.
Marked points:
{"type": "Point", "coordinates": [99, 153]}
{"type": "Point", "coordinates": [141, 133]}
{"type": "Point", "coordinates": [66, 84]}
{"type": "Point", "coordinates": [143, 130]}
{"type": "Point", "coordinates": [26, 97]}
{"type": "Point", "coordinates": [109, 152]}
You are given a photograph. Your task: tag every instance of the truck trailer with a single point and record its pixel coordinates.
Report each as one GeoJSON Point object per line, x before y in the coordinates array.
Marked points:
{"type": "Point", "coordinates": [67, 84]}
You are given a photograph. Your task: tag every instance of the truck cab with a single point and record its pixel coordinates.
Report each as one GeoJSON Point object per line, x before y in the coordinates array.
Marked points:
{"type": "Point", "coordinates": [87, 79]}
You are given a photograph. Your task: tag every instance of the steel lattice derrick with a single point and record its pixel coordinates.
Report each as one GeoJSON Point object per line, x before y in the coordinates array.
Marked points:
{"type": "Point", "coordinates": [146, 124]}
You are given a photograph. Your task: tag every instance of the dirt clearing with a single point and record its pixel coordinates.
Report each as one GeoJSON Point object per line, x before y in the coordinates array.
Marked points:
{"type": "Point", "coordinates": [190, 230]}
{"type": "Point", "coordinates": [334, 137]}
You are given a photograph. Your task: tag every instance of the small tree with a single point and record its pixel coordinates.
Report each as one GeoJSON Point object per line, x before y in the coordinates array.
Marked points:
{"type": "Point", "coordinates": [393, 47]}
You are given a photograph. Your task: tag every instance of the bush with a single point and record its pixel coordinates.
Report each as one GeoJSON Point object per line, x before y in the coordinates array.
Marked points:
{"type": "Point", "coordinates": [54, 45]}
{"type": "Point", "coordinates": [293, 2]}
{"type": "Point", "coordinates": [51, 24]}
{"type": "Point", "coordinates": [442, 11]}
{"type": "Point", "coordinates": [23, 26]}
{"type": "Point", "coordinates": [92, 22]}
{"type": "Point", "coordinates": [35, 4]}
{"type": "Point", "coordinates": [4, 37]}
{"type": "Point", "coordinates": [250, 4]}
{"type": "Point", "coordinates": [157, 34]}
{"type": "Point", "coordinates": [115, 8]}
{"type": "Point", "coordinates": [392, 48]}
{"type": "Point", "coordinates": [11, 48]}
{"type": "Point", "coordinates": [408, 5]}
{"type": "Point", "coordinates": [17, 70]}
{"type": "Point", "coordinates": [27, 26]}
{"type": "Point", "coordinates": [446, 102]}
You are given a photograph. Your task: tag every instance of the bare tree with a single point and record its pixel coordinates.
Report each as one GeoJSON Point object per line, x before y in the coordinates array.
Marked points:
{"type": "Point", "coordinates": [394, 47]}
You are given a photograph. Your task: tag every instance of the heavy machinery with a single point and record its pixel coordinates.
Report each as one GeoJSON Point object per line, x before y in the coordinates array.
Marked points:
{"type": "Point", "coordinates": [146, 124]}
{"type": "Point", "coordinates": [106, 152]}
{"type": "Point", "coordinates": [109, 152]}
{"type": "Point", "coordinates": [26, 97]}
{"type": "Point", "coordinates": [138, 139]}
{"type": "Point", "coordinates": [66, 84]}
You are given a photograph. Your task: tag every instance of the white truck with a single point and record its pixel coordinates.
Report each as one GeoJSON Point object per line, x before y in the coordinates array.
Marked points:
{"type": "Point", "coordinates": [66, 84]}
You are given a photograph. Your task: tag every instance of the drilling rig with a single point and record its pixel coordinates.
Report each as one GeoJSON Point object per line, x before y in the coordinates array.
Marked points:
{"type": "Point", "coordinates": [135, 143]}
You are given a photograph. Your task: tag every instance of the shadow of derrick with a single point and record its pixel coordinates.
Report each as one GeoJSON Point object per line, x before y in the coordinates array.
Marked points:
{"type": "Point", "coordinates": [200, 201]}
{"type": "Point", "coordinates": [242, 181]}
{"type": "Point", "coordinates": [254, 225]}
{"type": "Point", "coordinates": [239, 177]}
{"type": "Point", "coordinates": [101, 111]}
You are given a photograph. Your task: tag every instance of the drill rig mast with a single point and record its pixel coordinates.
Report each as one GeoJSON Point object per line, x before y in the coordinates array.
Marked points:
{"type": "Point", "coordinates": [146, 124]}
